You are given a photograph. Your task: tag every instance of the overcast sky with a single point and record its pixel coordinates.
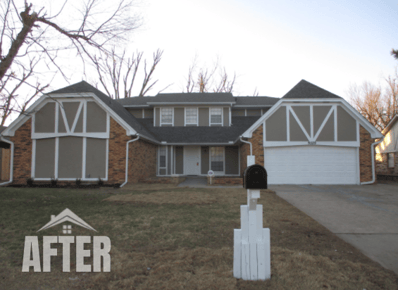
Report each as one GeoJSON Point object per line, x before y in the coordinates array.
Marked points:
{"type": "Point", "coordinates": [272, 45]}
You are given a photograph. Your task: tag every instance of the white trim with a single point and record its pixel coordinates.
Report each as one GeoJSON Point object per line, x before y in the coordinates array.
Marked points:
{"type": "Point", "coordinates": [299, 123]}
{"type": "Point", "coordinates": [358, 167]}
{"type": "Point", "coordinates": [222, 116]}
{"type": "Point", "coordinates": [33, 170]}
{"type": "Point", "coordinates": [223, 152]}
{"type": "Point", "coordinates": [353, 113]}
{"type": "Point", "coordinates": [143, 113]}
{"type": "Point", "coordinates": [306, 143]}
{"type": "Point", "coordinates": [185, 116]}
{"type": "Point", "coordinates": [230, 117]}
{"type": "Point", "coordinates": [56, 158]}
{"type": "Point", "coordinates": [85, 117]}
{"type": "Point", "coordinates": [84, 157]}
{"type": "Point", "coordinates": [172, 116]}
{"type": "Point", "coordinates": [66, 124]}
{"type": "Point", "coordinates": [358, 131]}
{"type": "Point", "coordinates": [324, 123]}
{"type": "Point", "coordinates": [52, 135]}
{"type": "Point", "coordinates": [287, 109]}
{"type": "Point", "coordinates": [335, 122]}
{"type": "Point", "coordinates": [312, 121]}
{"type": "Point", "coordinates": [253, 106]}
{"type": "Point", "coordinates": [79, 109]}
{"type": "Point", "coordinates": [56, 129]}
{"type": "Point", "coordinates": [158, 171]}
{"type": "Point", "coordinates": [245, 112]}
{"type": "Point", "coordinates": [154, 116]}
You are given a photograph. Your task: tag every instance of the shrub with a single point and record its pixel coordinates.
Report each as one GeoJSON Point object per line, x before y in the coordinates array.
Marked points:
{"type": "Point", "coordinates": [29, 181]}
{"type": "Point", "coordinates": [78, 181]}
{"type": "Point", "coordinates": [54, 181]}
{"type": "Point", "coordinates": [100, 181]}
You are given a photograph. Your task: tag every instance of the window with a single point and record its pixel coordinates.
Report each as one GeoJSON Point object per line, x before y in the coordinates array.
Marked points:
{"type": "Point", "coordinates": [191, 116]}
{"type": "Point", "coordinates": [390, 160]}
{"type": "Point", "coordinates": [217, 158]}
{"type": "Point", "coordinates": [166, 116]}
{"type": "Point", "coordinates": [67, 229]}
{"type": "Point", "coordinates": [162, 157]}
{"type": "Point", "coordinates": [215, 116]}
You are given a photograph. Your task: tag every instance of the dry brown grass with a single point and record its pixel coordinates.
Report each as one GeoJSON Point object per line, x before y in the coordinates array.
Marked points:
{"type": "Point", "coordinates": [178, 238]}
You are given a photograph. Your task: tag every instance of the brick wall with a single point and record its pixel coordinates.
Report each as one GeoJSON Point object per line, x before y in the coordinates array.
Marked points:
{"type": "Point", "coordinates": [142, 161]}
{"type": "Point", "coordinates": [5, 164]}
{"type": "Point", "coordinates": [22, 153]}
{"type": "Point", "coordinates": [258, 149]}
{"type": "Point", "coordinates": [142, 157]}
{"type": "Point", "coordinates": [382, 165]}
{"type": "Point", "coordinates": [365, 155]}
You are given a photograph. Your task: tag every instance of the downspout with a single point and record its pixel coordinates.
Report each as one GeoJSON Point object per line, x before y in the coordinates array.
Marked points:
{"type": "Point", "coordinates": [11, 159]}
{"type": "Point", "coordinates": [251, 152]}
{"type": "Point", "coordinates": [373, 163]}
{"type": "Point", "coordinates": [127, 159]}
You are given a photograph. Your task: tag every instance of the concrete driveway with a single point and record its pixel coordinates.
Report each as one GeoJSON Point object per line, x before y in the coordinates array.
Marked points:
{"type": "Point", "coordinates": [365, 216]}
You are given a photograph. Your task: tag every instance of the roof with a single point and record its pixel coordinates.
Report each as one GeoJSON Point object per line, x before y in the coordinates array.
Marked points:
{"type": "Point", "coordinates": [201, 135]}
{"type": "Point", "coordinates": [306, 90]}
{"type": "Point", "coordinates": [386, 129]}
{"type": "Point", "coordinates": [84, 87]}
{"type": "Point", "coordinates": [177, 98]}
{"type": "Point", "coordinates": [255, 101]}
{"type": "Point", "coordinates": [2, 128]}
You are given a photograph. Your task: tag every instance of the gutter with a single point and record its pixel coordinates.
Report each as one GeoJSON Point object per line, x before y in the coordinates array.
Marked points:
{"type": "Point", "coordinates": [373, 163]}
{"type": "Point", "coordinates": [127, 159]}
{"type": "Point", "coordinates": [251, 151]}
{"type": "Point", "coordinates": [11, 159]}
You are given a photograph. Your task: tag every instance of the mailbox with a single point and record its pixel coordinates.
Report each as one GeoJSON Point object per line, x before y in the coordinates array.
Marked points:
{"type": "Point", "coordinates": [255, 177]}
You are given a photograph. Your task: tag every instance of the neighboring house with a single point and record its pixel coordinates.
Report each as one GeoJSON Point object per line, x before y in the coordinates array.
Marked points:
{"type": "Point", "coordinates": [310, 136]}
{"type": "Point", "coordinates": [387, 150]}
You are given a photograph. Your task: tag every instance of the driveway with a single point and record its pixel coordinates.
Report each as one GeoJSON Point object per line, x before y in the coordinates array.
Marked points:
{"type": "Point", "coordinates": [365, 216]}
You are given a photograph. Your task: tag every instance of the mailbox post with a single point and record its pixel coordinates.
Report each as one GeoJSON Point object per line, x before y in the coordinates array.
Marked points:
{"type": "Point", "coordinates": [252, 244]}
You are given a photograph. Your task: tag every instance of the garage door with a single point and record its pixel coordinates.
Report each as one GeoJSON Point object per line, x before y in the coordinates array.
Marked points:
{"type": "Point", "coordinates": [311, 165]}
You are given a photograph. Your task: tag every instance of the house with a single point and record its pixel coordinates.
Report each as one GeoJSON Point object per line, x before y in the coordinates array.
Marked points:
{"type": "Point", "coordinates": [387, 150]}
{"type": "Point", "coordinates": [309, 136]}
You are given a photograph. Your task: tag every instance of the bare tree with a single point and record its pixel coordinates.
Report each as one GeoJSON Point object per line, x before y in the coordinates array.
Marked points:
{"type": "Point", "coordinates": [378, 105]}
{"type": "Point", "coordinates": [117, 74]}
{"type": "Point", "coordinates": [28, 31]}
{"type": "Point", "coordinates": [205, 79]}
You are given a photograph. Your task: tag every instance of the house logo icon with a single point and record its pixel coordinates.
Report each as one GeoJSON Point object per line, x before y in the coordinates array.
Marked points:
{"type": "Point", "coordinates": [100, 250]}
{"type": "Point", "coordinates": [66, 216]}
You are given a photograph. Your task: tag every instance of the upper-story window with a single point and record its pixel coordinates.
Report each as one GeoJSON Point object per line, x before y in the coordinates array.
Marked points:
{"type": "Point", "coordinates": [215, 116]}
{"type": "Point", "coordinates": [191, 116]}
{"type": "Point", "coordinates": [166, 116]}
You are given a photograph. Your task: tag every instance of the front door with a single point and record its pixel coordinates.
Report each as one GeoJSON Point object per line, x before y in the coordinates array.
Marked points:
{"type": "Point", "coordinates": [191, 160]}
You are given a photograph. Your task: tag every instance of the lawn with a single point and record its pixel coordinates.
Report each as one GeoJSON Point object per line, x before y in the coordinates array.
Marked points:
{"type": "Point", "coordinates": [165, 237]}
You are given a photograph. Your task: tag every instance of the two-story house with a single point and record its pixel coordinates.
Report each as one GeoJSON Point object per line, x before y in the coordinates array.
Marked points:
{"type": "Point", "coordinates": [309, 136]}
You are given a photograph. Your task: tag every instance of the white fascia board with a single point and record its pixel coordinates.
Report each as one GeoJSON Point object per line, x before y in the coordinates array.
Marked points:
{"type": "Point", "coordinates": [192, 103]}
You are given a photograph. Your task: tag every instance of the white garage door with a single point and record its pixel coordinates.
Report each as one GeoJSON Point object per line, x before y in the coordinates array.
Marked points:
{"type": "Point", "coordinates": [311, 165]}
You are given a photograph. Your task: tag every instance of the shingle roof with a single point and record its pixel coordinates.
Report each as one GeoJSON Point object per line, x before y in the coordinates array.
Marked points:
{"type": "Point", "coordinates": [2, 128]}
{"type": "Point", "coordinates": [255, 101]}
{"type": "Point", "coordinates": [201, 135]}
{"type": "Point", "coordinates": [180, 98]}
{"type": "Point", "coordinates": [306, 90]}
{"type": "Point", "coordinates": [84, 87]}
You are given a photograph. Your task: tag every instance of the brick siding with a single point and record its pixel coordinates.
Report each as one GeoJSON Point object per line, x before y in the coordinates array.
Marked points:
{"type": "Point", "coordinates": [142, 161]}
{"type": "Point", "coordinates": [258, 149]}
{"type": "Point", "coordinates": [22, 153]}
{"type": "Point", "coordinates": [382, 164]}
{"type": "Point", "coordinates": [365, 155]}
